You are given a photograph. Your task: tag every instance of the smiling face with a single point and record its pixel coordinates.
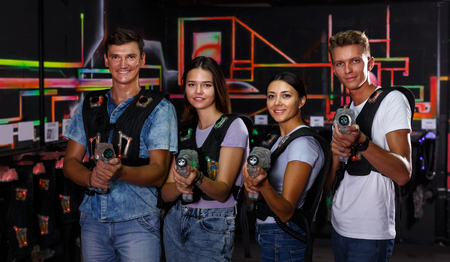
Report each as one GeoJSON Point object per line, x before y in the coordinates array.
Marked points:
{"type": "Point", "coordinates": [124, 62]}
{"type": "Point", "coordinates": [352, 65]}
{"type": "Point", "coordinates": [283, 102]}
{"type": "Point", "coordinates": [199, 89]}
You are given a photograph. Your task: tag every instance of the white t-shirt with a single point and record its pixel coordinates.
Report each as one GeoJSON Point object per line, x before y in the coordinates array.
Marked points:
{"type": "Point", "coordinates": [305, 149]}
{"type": "Point", "coordinates": [364, 206]}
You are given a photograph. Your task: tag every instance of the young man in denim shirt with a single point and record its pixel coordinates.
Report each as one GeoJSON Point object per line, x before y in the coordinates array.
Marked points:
{"type": "Point", "coordinates": [123, 222]}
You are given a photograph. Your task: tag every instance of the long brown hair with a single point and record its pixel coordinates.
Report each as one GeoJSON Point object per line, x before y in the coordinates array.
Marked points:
{"type": "Point", "coordinates": [222, 98]}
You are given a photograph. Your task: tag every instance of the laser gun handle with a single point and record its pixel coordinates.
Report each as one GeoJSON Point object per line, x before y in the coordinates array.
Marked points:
{"type": "Point", "coordinates": [183, 171]}
{"type": "Point", "coordinates": [253, 172]}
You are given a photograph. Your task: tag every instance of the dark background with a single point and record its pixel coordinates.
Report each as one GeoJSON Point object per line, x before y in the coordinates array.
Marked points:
{"type": "Point", "coordinates": [51, 31]}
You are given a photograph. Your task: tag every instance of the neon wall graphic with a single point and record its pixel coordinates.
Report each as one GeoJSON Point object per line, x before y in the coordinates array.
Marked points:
{"type": "Point", "coordinates": [207, 44]}
{"type": "Point", "coordinates": [235, 44]}
{"type": "Point", "coordinates": [387, 64]}
{"type": "Point", "coordinates": [56, 88]}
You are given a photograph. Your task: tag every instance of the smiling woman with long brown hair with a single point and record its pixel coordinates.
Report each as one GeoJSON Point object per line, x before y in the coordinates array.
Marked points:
{"type": "Point", "coordinates": [203, 230]}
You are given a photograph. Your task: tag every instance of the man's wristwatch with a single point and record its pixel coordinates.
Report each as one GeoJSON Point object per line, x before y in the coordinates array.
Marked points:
{"type": "Point", "coordinates": [199, 180]}
{"type": "Point", "coordinates": [363, 146]}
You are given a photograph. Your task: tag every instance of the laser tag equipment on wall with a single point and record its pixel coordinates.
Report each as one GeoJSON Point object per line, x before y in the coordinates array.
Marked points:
{"type": "Point", "coordinates": [68, 197]}
{"type": "Point", "coordinates": [45, 187]}
{"type": "Point", "coordinates": [40, 208]}
{"type": "Point", "coordinates": [18, 217]}
{"type": "Point", "coordinates": [425, 173]}
{"type": "Point", "coordinates": [8, 174]}
{"type": "Point", "coordinates": [187, 158]}
{"type": "Point", "coordinates": [427, 146]}
{"type": "Point", "coordinates": [304, 216]}
{"type": "Point", "coordinates": [259, 157]}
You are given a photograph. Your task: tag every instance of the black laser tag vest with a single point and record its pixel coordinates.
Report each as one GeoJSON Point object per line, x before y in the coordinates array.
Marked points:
{"type": "Point", "coordinates": [304, 216]}
{"type": "Point", "coordinates": [210, 148]}
{"type": "Point", "coordinates": [96, 120]}
{"type": "Point", "coordinates": [314, 193]}
{"type": "Point", "coordinates": [362, 167]}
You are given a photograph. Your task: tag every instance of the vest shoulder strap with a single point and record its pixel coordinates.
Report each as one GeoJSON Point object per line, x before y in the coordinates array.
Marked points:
{"type": "Point", "coordinates": [365, 118]}
{"type": "Point", "coordinates": [221, 126]}
{"type": "Point", "coordinates": [141, 107]}
{"type": "Point", "coordinates": [271, 139]}
{"type": "Point", "coordinates": [212, 142]}
{"type": "Point", "coordinates": [367, 114]}
{"type": "Point", "coordinates": [186, 136]}
{"type": "Point", "coordinates": [219, 131]}
{"type": "Point", "coordinates": [227, 121]}
{"type": "Point", "coordinates": [95, 112]}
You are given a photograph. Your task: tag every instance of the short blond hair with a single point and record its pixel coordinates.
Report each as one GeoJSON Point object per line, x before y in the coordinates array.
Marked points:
{"type": "Point", "coordinates": [349, 37]}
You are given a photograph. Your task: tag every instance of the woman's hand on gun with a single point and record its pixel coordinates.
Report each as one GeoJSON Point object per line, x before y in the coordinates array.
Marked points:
{"type": "Point", "coordinates": [185, 184]}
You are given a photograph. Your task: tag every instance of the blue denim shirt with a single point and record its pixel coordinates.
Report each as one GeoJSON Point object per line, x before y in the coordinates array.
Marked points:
{"type": "Point", "coordinates": [125, 201]}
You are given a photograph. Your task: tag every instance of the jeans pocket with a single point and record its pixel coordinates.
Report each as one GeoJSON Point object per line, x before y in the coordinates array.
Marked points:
{"type": "Point", "coordinates": [83, 219]}
{"type": "Point", "coordinates": [298, 255]}
{"type": "Point", "coordinates": [215, 225]}
{"type": "Point", "coordinates": [266, 240]}
{"type": "Point", "coordinates": [150, 223]}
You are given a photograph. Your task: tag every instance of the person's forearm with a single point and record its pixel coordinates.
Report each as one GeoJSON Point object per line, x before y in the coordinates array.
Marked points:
{"type": "Point", "coordinates": [217, 190]}
{"type": "Point", "coordinates": [169, 192]}
{"type": "Point", "coordinates": [76, 171]}
{"type": "Point", "coordinates": [390, 164]}
{"type": "Point", "coordinates": [148, 175]}
{"type": "Point", "coordinates": [277, 203]}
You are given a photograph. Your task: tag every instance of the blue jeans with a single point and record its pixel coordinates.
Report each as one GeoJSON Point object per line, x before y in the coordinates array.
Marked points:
{"type": "Point", "coordinates": [199, 234]}
{"type": "Point", "coordinates": [133, 240]}
{"type": "Point", "coordinates": [276, 245]}
{"type": "Point", "coordinates": [351, 249]}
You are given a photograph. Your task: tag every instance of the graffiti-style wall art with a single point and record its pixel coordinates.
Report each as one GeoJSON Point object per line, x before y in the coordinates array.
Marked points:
{"type": "Point", "coordinates": [243, 59]}
{"type": "Point", "coordinates": [250, 44]}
